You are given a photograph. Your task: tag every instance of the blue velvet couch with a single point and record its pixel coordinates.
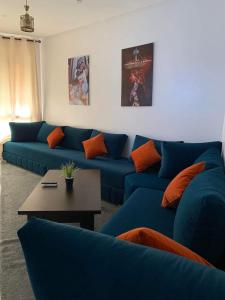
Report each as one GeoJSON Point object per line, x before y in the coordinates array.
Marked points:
{"type": "Point", "coordinates": [72, 263]}
{"type": "Point", "coordinates": [28, 149]}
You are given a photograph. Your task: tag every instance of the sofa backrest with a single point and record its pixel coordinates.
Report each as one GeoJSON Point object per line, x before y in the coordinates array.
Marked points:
{"type": "Point", "coordinates": [200, 218]}
{"type": "Point", "coordinates": [212, 157]}
{"type": "Point", "coordinates": [66, 262]}
{"type": "Point", "coordinates": [140, 140]}
{"type": "Point", "coordinates": [24, 132]}
{"type": "Point", "coordinates": [44, 132]}
{"type": "Point", "coordinates": [114, 142]}
{"type": "Point", "coordinates": [75, 136]}
{"type": "Point", "coordinates": [178, 156]}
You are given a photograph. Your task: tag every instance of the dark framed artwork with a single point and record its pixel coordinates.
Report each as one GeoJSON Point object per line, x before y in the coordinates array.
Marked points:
{"type": "Point", "coordinates": [137, 75]}
{"type": "Point", "coordinates": [78, 75]}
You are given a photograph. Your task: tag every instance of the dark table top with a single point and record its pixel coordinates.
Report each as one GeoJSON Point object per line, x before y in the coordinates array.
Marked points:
{"type": "Point", "coordinates": [85, 196]}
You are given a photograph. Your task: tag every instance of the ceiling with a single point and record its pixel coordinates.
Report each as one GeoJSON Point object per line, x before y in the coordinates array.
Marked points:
{"type": "Point", "coordinates": [56, 16]}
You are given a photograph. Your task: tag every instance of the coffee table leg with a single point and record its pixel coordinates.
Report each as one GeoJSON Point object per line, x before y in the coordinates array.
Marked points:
{"type": "Point", "coordinates": [87, 222]}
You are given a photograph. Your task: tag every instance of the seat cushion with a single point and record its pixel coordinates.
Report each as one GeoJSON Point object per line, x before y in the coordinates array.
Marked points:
{"type": "Point", "coordinates": [148, 179]}
{"type": "Point", "coordinates": [114, 143]}
{"type": "Point", "coordinates": [74, 137]}
{"type": "Point", "coordinates": [112, 171]}
{"type": "Point", "coordinates": [200, 218]}
{"type": "Point", "coordinates": [44, 132]}
{"type": "Point", "coordinates": [178, 156]}
{"type": "Point", "coordinates": [39, 152]}
{"type": "Point", "coordinates": [67, 262]}
{"type": "Point", "coordinates": [24, 132]}
{"type": "Point", "coordinates": [142, 209]}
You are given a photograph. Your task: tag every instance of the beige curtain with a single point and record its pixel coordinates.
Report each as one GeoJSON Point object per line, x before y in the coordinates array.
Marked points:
{"type": "Point", "coordinates": [19, 82]}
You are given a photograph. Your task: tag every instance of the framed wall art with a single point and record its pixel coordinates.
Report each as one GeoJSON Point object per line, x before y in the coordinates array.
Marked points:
{"type": "Point", "coordinates": [137, 75]}
{"type": "Point", "coordinates": [78, 73]}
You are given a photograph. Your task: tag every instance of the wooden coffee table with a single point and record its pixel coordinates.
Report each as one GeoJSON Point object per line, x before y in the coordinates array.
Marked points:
{"type": "Point", "coordinates": [56, 204]}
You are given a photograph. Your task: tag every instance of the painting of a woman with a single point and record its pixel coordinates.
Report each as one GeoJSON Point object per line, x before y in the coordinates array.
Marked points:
{"type": "Point", "coordinates": [78, 70]}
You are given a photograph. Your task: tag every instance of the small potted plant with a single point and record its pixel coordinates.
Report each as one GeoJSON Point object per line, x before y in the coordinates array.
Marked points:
{"type": "Point", "coordinates": [68, 170]}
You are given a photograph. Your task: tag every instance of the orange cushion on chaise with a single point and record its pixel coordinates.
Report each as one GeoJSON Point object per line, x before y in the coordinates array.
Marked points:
{"type": "Point", "coordinates": [95, 146]}
{"type": "Point", "coordinates": [151, 238]}
{"type": "Point", "coordinates": [145, 156]}
{"type": "Point", "coordinates": [177, 186]}
{"type": "Point", "coordinates": [55, 137]}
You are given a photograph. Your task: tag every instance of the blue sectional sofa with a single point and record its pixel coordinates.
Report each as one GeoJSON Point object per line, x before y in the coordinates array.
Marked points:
{"type": "Point", "coordinates": [28, 149]}
{"type": "Point", "coordinates": [72, 263]}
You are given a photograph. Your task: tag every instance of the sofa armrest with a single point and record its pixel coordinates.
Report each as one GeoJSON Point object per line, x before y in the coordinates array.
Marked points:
{"type": "Point", "coordinates": [2, 142]}
{"type": "Point", "coordinates": [70, 263]}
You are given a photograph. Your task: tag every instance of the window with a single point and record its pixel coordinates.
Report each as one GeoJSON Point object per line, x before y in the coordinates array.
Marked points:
{"type": "Point", "coordinates": [19, 82]}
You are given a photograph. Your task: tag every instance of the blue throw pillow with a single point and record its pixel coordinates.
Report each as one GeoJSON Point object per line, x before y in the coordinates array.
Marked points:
{"type": "Point", "coordinates": [212, 158]}
{"type": "Point", "coordinates": [114, 143]}
{"type": "Point", "coordinates": [178, 156]}
{"type": "Point", "coordinates": [44, 132]}
{"type": "Point", "coordinates": [75, 136]}
{"type": "Point", "coordinates": [141, 140]}
{"type": "Point", "coordinates": [200, 218]}
{"type": "Point", "coordinates": [24, 132]}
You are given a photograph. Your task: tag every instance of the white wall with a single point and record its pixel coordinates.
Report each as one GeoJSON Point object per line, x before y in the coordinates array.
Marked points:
{"type": "Point", "coordinates": [189, 72]}
{"type": "Point", "coordinates": [223, 139]}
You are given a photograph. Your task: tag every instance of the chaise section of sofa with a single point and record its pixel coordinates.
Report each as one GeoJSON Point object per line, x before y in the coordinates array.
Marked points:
{"type": "Point", "coordinates": [197, 223]}
{"type": "Point", "coordinates": [71, 263]}
{"type": "Point", "coordinates": [148, 179]}
{"type": "Point", "coordinates": [142, 209]}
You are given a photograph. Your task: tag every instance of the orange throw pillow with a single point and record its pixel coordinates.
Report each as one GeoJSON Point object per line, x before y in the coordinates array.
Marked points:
{"type": "Point", "coordinates": [55, 137]}
{"type": "Point", "coordinates": [177, 186]}
{"type": "Point", "coordinates": [94, 146]}
{"type": "Point", "coordinates": [145, 156]}
{"type": "Point", "coordinates": [151, 238]}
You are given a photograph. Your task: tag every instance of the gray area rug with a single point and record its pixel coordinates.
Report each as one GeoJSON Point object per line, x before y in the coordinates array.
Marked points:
{"type": "Point", "coordinates": [16, 185]}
